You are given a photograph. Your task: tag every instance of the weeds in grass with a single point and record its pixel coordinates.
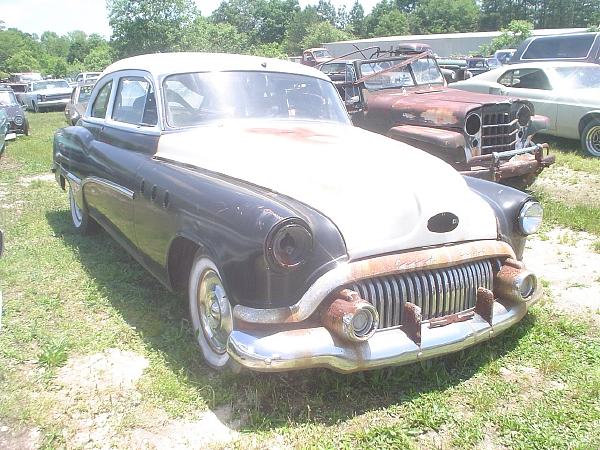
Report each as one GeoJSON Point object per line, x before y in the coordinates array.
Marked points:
{"type": "Point", "coordinates": [596, 246]}
{"type": "Point", "coordinates": [54, 353]}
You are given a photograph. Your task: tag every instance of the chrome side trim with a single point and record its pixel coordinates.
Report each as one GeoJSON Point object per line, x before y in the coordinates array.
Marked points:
{"type": "Point", "coordinates": [346, 273]}
{"type": "Point", "coordinates": [317, 347]}
{"type": "Point", "coordinates": [109, 184]}
{"type": "Point", "coordinates": [72, 178]}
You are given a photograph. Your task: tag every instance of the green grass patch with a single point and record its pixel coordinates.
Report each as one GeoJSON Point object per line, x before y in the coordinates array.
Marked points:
{"type": "Point", "coordinates": [577, 217]}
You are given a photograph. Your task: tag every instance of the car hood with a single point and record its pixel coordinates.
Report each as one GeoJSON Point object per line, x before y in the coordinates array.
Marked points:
{"type": "Point", "coordinates": [444, 107]}
{"type": "Point", "coordinates": [380, 193]}
{"type": "Point", "coordinates": [53, 91]}
{"type": "Point", "coordinates": [12, 111]}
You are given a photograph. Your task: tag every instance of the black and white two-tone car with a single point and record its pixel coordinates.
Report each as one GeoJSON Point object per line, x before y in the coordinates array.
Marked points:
{"type": "Point", "coordinates": [302, 241]}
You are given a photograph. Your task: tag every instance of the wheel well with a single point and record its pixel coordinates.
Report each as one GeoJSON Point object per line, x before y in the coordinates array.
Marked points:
{"type": "Point", "coordinates": [179, 263]}
{"type": "Point", "coordinates": [586, 119]}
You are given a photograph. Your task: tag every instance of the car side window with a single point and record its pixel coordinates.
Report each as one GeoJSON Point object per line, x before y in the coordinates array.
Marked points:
{"type": "Point", "coordinates": [135, 102]}
{"type": "Point", "coordinates": [527, 79]}
{"type": "Point", "coordinates": [101, 101]}
{"type": "Point", "coordinates": [506, 78]}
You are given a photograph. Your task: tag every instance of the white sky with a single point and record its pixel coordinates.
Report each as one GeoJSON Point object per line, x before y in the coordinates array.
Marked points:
{"type": "Point", "coordinates": [62, 16]}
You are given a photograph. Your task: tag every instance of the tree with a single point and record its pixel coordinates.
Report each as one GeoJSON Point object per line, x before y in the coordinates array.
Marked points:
{"type": "Point", "coordinates": [54, 45]}
{"type": "Point", "coordinates": [274, 18]}
{"type": "Point", "coordinates": [511, 36]}
{"type": "Point", "coordinates": [356, 19]}
{"type": "Point", "coordinates": [327, 11]}
{"type": "Point", "coordinates": [22, 61]}
{"type": "Point", "coordinates": [381, 9]}
{"type": "Point", "coordinates": [98, 58]}
{"type": "Point", "coordinates": [322, 32]}
{"type": "Point", "coordinates": [207, 36]}
{"type": "Point", "coordinates": [147, 26]}
{"type": "Point", "coordinates": [394, 23]}
{"type": "Point", "coordinates": [298, 29]}
{"type": "Point", "coordinates": [444, 16]}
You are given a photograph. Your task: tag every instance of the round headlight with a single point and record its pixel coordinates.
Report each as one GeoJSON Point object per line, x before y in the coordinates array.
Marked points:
{"type": "Point", "coordinates": [524, 116]}
{"type": "Point", "coordinates": [19, 120]}
{"type": "Point", "coordinates": [291, 244]}
{"type": "Point", "coordinates": [473, 124]}
{"type": "Point", "coordinates": [530, 217]}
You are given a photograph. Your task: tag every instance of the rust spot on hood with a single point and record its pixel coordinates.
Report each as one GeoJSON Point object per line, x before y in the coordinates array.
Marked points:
{"type": "Point", "coordinates": [296, 134]}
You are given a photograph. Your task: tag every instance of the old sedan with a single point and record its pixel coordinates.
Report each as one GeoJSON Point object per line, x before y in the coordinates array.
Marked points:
{"type": "Point", "coordinates": [78, 102]}
{"type": "Point", "coordinates": [17, 120]}
{"type": "Point", "coordinates": [48, 94]}
{"type": "Point", "coordinates": [301, 241]}
{"type": "Point", "coordinates": [565, 92]}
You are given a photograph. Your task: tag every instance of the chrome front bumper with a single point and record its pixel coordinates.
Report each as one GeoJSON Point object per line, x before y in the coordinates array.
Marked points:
{"type": "Point", "coordinates": [54, 103]}
{"type": "Point", "coordinates": [317, 347]}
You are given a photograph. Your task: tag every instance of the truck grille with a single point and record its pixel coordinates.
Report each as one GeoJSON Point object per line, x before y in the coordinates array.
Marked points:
{"type": "Point", "coordinates": [499, 130]}
{"type": "Point", "coordinates": [438, 292]}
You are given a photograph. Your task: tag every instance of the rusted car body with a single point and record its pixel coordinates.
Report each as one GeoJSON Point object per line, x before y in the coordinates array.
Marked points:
{"type": "Point", "coordinates": [313, 56]}
{"type": "Point", "coordinates": [221, 175]}
{"type": "Point", "coordinates": [403, 95]}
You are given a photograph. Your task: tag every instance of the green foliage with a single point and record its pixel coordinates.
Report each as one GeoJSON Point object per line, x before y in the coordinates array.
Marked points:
{"type": "Point", "coordinates": [206, 36]}
{"type": "Point", "coordinates": [269, 50]}
{"type": "Point", "coordinates": [444, 16]}
{"type": "Point", "coordinates": [23, 61]}
{"type": "Point", "coordinates": [515, 33]}
{"type": "Point", "coordinates": [356, 19]}
{"type": "Point", "coordinates": [322, 32]}
{"type": "Point", "coordinates": [149, 26]}
{"type": "Point", "coordinates": [384, 7]}
{"type": "Point", "coordinates": [298, 29]}
{"type": "Point", "coordinates": [394, 23]}
{"type": "Point", "coordinates": [98, 58]}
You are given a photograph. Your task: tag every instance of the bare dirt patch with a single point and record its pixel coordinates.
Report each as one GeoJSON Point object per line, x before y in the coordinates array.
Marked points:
{"type": "Point", "coordinates": [26, 181]}
{"type": "Point", "coordinates": [566, 260]}
{"type": "Point", "coordinates": [570, 186]}
{"type": "Point", "coordinates": [15, 438]}
{"type": "Point", "coordinates": [101, 407]}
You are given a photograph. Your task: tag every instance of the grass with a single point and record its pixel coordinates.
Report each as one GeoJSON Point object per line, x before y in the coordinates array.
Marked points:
{"type": "Point", "coordinates": [66, 296]}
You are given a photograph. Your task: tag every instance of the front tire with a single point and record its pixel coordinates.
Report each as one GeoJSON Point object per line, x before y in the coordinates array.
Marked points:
{"type": "Point", "coordinates": [210, 312]}
{"type": "Point", "coordinates": [80, 218]}
{"type": "Point", "coordinates": [590, 138]}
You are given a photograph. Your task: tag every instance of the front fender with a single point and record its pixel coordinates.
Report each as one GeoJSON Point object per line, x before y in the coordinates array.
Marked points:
{"type": "Point", "coordinates": [447, 144]}
{"type": "Point", "coordinates": [506, 203]}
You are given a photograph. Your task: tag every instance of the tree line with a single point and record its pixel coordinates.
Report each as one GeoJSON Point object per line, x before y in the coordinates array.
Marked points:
{"type": "Point", "coordinates": [270, 28]}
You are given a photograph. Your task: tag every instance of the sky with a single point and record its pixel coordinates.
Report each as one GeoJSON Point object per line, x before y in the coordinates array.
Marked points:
{"type": "Point", "coordinates": [62, 16]}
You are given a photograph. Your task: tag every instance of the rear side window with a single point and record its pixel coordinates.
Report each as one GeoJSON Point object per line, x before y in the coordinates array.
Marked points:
{"type": "Point", "coordinates": [101, 101]}
{"type": "Point", "coordinates": [135, 102]}
{"type": "Point", "coordinates": [525, 79]}
{"type": "Point", "coordinates": [573, 46]}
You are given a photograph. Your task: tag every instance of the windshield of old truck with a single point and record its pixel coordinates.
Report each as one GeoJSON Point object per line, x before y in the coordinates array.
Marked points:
{"type": "Point", "coordinates": [50, 84]}
{"type": "Point", "coordinates": [197, 98]}
{"type": "Point", "coordinates": [7, 98]}
{"type": "Point", "coordinates": [578, 77]}
{"type": "Point", "coordinates": [394, 74]}
{"type": "Point", "coordinates": [321, 54]}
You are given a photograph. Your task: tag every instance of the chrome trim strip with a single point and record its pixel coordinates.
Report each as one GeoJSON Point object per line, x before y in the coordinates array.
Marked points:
{"type": "Point", "coordinates": [109, 184]}
{"type": "Point", "coordinates": [346, 273]}
{"type": "Point", "coordinates": [317, 347]}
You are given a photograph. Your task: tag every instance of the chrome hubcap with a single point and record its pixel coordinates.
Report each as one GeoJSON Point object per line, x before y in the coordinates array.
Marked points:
{"type": "Point", "coordinates": [214, 311]}
{"type": "Point", "coordinates": [592, 140]}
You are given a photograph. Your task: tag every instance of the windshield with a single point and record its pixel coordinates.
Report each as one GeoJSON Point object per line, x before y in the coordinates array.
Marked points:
{"type": "Point", "coordinates": [50, 84]}
{"type": "Point", "coordinates": [321, 54]}
{"type": "Point", "coordinates": [420, 72]}
{"type": "Point", "coordinates": [197, 98]}
{"type": "Point", "coordinates": [7, 98]}
{"type": "Point", "coordinates": [84, 93]}
{"type": "Point", "coordinates": [578, 77]}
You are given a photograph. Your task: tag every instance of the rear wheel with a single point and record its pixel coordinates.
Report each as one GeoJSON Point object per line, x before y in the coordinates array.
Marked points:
{"type": "Point", "coordinates": [82, 222]}
{"type": "Point", "coordinates": [590, 138]}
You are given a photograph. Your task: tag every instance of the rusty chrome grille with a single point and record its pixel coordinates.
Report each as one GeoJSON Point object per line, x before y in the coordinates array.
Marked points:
{"type": "Point", "coordinates": [499, 129]}
{"type": "Point", "coordinates": [438, 292]}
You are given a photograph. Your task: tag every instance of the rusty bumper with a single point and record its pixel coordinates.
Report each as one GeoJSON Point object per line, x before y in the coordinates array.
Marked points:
{"type": "Point", "coordinates": [528, 161]}
{"type": "Point", "coordinates": [313, 334]}
{"type": "Point", "coordinates": [318, 347]}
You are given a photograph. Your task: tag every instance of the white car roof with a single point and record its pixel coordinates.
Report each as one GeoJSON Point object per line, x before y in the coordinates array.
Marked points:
{"type": "Point", "coordinates": [160, 64]}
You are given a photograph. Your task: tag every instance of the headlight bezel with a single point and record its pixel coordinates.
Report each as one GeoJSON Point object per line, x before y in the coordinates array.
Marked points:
{"type": "Point", "coordinates": [301, 238]}
{"type": "Point", "coordinates": [528, 228]}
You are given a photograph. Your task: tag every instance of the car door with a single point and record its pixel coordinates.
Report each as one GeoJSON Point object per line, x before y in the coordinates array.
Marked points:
{"type": "Point", "coordinates": [124, 138]}
{"type": "Point", "coordinates": [532, 84]}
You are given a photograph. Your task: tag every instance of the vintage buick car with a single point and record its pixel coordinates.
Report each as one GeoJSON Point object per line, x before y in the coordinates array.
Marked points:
{"type": "Point", "coordinates": [17, 120]}
{"type": "Point", "coordinates": [402, 93]}
{"type": "Point", "coordinates": [301, 241]}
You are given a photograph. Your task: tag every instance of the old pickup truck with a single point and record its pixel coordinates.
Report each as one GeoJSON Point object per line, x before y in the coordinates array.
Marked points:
{"type": "Point", "coordinates": [402, 93]}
